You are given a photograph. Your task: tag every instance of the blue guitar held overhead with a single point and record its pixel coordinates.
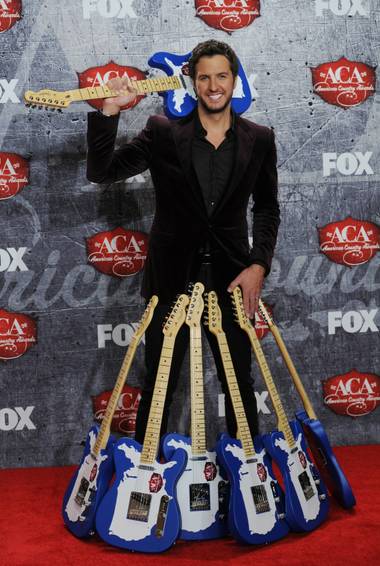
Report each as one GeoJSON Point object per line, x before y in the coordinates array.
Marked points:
{"type": "Point", "coordinates": [316, 436]}
{"type": "Point", "coordinates": [180, 102]}
{"type": "Point", "coordinates": [91, 480]}
{"type": "Point", "coordinates": [140, 511]}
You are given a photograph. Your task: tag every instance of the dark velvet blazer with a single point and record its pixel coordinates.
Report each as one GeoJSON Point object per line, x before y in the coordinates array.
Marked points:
{"type": "Point", "coordinates": [181, 225]}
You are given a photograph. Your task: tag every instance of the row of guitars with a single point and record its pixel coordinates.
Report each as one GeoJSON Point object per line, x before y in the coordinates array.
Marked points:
{"type": "Point", "coordinates": [199, 494]}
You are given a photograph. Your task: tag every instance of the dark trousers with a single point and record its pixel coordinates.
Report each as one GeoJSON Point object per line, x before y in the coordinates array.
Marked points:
{"type": "Point", "coordinates": [240, 350]}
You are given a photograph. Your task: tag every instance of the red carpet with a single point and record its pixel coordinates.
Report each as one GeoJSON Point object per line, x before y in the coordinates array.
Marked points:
{"type": "Point", "coordinates": [32, 532]}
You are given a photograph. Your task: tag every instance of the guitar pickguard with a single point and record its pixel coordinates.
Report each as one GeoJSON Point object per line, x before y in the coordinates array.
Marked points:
{"type": "Point", "coordinates": [201, 493]}
{"type": "Point", "coordinates": [137, 510]}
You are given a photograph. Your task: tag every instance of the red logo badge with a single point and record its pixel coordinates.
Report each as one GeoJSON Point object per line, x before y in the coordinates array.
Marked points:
{"type": "Point", "coordinates": [228, 15]}
{"type": "Point", "coordinates": [302, 458]}
{"type": "Point", "coordinates": [261, 326]}
{"type": "Point", "coordinates": [124, 418]}
{"type": "Point", "coordinates": [99, 76]}
{"type": "Point", "coordinates": [155, 483]}
{"type": "Point", "coordinates": [14, 174]}
{"type": "Point", "coordinates": [261, 472]}
{"type": "Point", "coordinates": [119, 252]}
{"type": "Point", "coordinates": [210, 471]}
{"type": "Point", "coordinates": [344, 83]}
{"type": "Point", "coordinates": [10, 13]}
{"type": "Point", "coordinates": [18, 333]}
{"type": "Point", "coordinates": [353, 394]}
{"type": "Point", "coordinates": [350, 241]}
{"type": "Point", "coordinates": [93, 473]}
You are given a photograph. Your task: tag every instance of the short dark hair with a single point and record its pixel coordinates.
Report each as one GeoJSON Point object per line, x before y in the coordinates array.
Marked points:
{"type": "Point", "coordinates": [208, 49]}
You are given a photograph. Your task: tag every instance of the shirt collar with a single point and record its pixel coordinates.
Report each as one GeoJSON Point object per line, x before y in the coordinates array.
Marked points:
{"type": "Point", "coordinates": [200, 131]}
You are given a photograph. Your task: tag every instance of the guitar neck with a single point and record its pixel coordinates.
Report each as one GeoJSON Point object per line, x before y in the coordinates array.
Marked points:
{"type": "Point", "coordinates": [152, 433]}
{"type": "Point", "coordinates": [157, 84]}
{"type": "Point", "coordinates": [293, 372]}
{"type": "Point", "coordinates": [241, 419]}
{"type": "Point", "coordinates": [283, 423]}
{"type": "Point", "coordinates": [198, 429]}
{"type": "Point", "coordinates": [104, 432]}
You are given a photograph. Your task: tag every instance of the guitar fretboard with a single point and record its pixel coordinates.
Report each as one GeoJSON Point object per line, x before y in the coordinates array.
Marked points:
{"type": "Point", "coordinates": [157, 84]}
{"type": "Point", "coordinates": [283, 423]}
{"type": "Point", "coordinates": [104, 431]}
{"type": "Point", "coordinates": [198, 428]}
{"type": "Point", "coordinates": [241, 419]}
{"type": "Point", "coordinates": [152, 433]}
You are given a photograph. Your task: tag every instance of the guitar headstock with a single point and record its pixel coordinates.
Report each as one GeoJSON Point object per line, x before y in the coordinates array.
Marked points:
{"type": "Point", "coordinates": [267, 317]}
{"type": "Point", "coordinates": [146, 317]}
{"type": "Point", "coordinates": [214, 314]}
{"type": "Point", "coordinates": [196, 305]}
{"type": "Point", "coordinates": [241, 317]}
{"type": "Point", "coordinates": [47, 98]}
{"type": "Point", "coordinates": [176, 317]}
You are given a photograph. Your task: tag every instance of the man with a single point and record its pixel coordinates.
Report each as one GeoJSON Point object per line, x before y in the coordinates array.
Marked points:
{"type": "Point", "coordinates": [204, 169]}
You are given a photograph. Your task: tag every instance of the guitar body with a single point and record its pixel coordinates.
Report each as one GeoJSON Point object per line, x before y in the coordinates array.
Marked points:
{"type": "Point", "coordinates": [306, 499]}
{"type": "Point", "coordinates": [181, 102]}
{"type": "Point", "coordinates": [326, 461]}
{"type": "Point", "coordinates": [87, 487]}
{"type": "Point", "coordinates": [202, 492]}
{"type": "Point", "coordinates": [256, 501]}
{"type": "Point", "coordinates": [140, 512]}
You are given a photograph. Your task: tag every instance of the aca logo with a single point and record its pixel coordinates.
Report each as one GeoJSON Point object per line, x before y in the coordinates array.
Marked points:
{"type": "Point", "coordinates": [118, 252]}
{"type": "Point", "coordinates": [342, 7]}
{"type": "Point", "coordinates": [18, 333]}
{"type": "Point", "coordinates": [349, 242]}
{"type": "Point", "coordinates": [356, 163]}
{"type": "Point", "coordinates": [353, 394]}
{"type": "Point", "coordinates": [344, 83]}
{"type": "Point", "coordinates": [124, 418]}
{"type": "Point", "coordinates": [10, 13]}
{"type": "Point", "coordinates": [14, 174]}
{"type": "Point", "coordinates": [353, 321]}
{"type": "Point", "coordinates": [99, 76]}
{"type": "Point", "coordinates": [261, 327]}
{"type": "Point", "coordinates": [228, 15]}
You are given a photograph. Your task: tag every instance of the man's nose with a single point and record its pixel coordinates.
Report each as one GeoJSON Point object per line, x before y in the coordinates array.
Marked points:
{"type": "Point", "coordinates": [213, 83]}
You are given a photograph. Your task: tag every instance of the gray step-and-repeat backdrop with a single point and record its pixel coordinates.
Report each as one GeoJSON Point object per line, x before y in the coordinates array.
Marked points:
{"type": "Point", "coordinates": [72, 253]}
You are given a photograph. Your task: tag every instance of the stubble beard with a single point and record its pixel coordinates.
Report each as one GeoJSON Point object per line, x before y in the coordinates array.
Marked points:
{"type": "Point", "coordinates": [212, 110]}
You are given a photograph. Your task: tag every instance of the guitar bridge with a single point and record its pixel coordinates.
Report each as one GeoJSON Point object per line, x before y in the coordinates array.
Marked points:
{"type": "Point", "coordinates": [199, 497]}
{"type": "Point", "coordinates": [306, 485]}
{"type": "Point", "coordinates": [260, 499]}
{"type": "Point", "coordinates": [139, 505]}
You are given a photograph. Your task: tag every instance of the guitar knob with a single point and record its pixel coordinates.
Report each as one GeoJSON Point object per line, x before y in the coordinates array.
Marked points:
{"type": "Point", "coordinates": [322, 496]}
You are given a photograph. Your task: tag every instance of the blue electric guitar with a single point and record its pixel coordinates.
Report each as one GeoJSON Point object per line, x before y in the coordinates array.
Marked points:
{"type": "Point", "coordinates": [91, 479]}
{"type": "Point", "coordinates": [256, 514]}
{"type": "Point", "coordinates": [317, 438]}
{"type": "Point", "coordinates": [306, 501]}
{"type": "Point", "coordinates": [202, 489]}
{"type": "Point", "coordinates": [180, 102]}
{"type": "Point", "coordinates": [140, 511]}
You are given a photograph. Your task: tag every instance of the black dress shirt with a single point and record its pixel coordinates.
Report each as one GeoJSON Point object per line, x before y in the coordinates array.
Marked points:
{"type": "Point", "coordinates": [213, 167]}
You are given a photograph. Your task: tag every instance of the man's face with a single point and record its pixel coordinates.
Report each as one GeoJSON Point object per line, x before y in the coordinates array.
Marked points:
{"type": "Point", "coordinates": [214, 83]}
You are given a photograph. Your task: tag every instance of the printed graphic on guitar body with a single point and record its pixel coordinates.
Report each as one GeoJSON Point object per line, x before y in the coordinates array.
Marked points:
{"type": "Point", "coordinates": [306, 500]}
{"type": "Point", "coordinates": [140, 512]}
{"type": "Point", "coordinates": [202, 492]}
{"type": "Point", "coordinates": [87, 487]}
{"type": "Point", "coordinates": [256, 513]}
